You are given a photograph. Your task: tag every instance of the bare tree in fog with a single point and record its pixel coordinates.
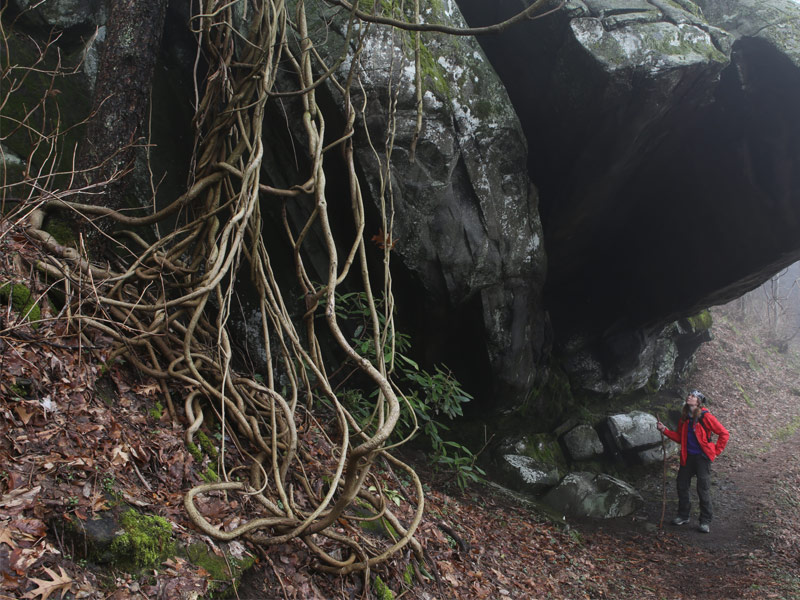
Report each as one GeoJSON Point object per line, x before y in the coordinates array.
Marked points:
{"type": "Point", "coordinates": [775, 306]}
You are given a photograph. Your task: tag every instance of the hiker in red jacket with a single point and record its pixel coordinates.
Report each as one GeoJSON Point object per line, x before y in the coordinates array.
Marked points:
{"type": "Point", "coordinates": [697, 453]}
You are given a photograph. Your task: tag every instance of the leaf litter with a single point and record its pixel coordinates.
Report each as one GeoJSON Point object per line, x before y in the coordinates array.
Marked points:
{"type": "Point", "coordinates": [67, 450]}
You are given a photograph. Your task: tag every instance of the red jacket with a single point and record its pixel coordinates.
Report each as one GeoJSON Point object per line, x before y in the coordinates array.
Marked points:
{"type": "Point", "coordinates": [709, 448]}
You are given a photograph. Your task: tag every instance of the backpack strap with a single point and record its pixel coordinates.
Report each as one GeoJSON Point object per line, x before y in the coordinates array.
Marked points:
{"type": "Point", "coordinates": [700, 420]}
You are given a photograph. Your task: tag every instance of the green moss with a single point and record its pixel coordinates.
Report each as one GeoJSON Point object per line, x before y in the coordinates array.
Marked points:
{"type": "Point", "coordinates": [146, 542]}
{"type": "Point", "coordinates": [225, 572]}
{"type": "Point", "coordinates": [206, 444]}
{"type": "Point", "coordinates": [19, 390]}
{"type": "Point", "coordinates": [689, 6]}
{"type": "Point", "coordinates": [195, 451]}
{"type": "Point", "coordinates": [432, 71]}
{"type": "Point", "coordinates": [380, 526]}
{"type": "Point", "coordinates": [544, 448]}
{"type": "Point", "coordinates": [157, 411]}
{"type": "Point", "coordinates": [408, 575]}
{"type": "Point", "coordinates": [382, 591]}
{"type": "Point", "coordinates": [747, 399]}
{"type": "Point", "coordinates": [22, 301]}
{"type": "Point", "coordinates": [702, 321]}
{"type": "Point", "coordinates": [209, 475]}
{"type": "Point", "coordinates": [62, 231]}
{"type": "Point", "coordinates": [787, 431]}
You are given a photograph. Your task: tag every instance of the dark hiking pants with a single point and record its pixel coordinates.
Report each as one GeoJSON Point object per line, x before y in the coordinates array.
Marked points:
{"type": "Point", "coordinates": [697, 465]}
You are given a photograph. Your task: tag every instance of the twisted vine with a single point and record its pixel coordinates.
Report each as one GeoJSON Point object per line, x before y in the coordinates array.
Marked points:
{"type": "Point", "coordinates": [167, 304]}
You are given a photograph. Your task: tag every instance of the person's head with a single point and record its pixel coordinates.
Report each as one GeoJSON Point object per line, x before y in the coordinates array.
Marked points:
{"type": "Point", "coordinates": [694, 401]}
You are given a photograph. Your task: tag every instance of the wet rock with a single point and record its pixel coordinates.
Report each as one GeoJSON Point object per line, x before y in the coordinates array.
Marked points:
{"type": "Point", "coordinates": [526, 474]}
{"type": "Point", "coordinates": [634, 430]}
{"type": "Point", "coordinates": [583, 443]}
{"type": "Point", "coordinates": [601, 496]}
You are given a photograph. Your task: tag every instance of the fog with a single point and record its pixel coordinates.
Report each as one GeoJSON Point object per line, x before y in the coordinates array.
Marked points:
{"type": "Point", "coordinates": [774, 307]}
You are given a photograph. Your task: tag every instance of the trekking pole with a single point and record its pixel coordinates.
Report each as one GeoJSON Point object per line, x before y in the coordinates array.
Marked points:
{"type": "Point", "coordinates": [663, 484]}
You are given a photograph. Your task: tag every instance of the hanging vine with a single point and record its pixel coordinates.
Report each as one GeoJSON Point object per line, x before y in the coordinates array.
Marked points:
{"type": "Point", "coordinates": [167, 304]}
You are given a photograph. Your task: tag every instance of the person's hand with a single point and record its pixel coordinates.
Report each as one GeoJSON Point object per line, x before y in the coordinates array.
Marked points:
{"type": "Point", "coordinates": [660, 426]}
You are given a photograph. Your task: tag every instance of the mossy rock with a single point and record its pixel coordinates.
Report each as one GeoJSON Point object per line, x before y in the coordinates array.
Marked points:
{"type": "Point", "coordinates": [62, 231]}
{"type": "Point", "coordinates": [225, 572]}
{"type": "Point", "coordinates": [91, 539]}
{"type": "Point", "coordinates": [382, 591]}
{"type": "Point", "coordinates": [146, 541]}
{"type": "Point", "coordinates": [542, 447]}
{"type": "Point", "coordinates": [379, 526]}
{"type": "Point", "coordinates": [702, 321]}
{"type": "Point", "coordinates": [23, 301]}
{"type": "Point", "coordinates": [73, 109]}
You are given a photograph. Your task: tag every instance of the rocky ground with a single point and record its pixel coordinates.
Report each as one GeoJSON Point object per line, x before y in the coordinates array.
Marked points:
{"type": "Point", "coordinates": [79, 441]}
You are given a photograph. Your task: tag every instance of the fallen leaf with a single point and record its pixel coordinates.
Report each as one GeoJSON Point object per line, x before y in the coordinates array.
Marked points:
{"type": "Point", "coordinates": [44, 588]}
{"type": "Point", "coordinates": [30, 528]}
{"type": "Point", "coordinates": [99, 503]}
{"type": "Point", "coordinates": [148, 389]}
{"type": "Point", "coordinates": [119, 456]}
{"type": "Point", "coordinates": [5, 537]}
{"type": "Point", "coordinates": [20, 498]}
{"type": "Point", "coordinates": [23, 413]}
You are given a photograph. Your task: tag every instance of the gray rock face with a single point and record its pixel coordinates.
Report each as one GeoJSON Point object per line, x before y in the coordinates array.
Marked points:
{"type": "Point", "coordinates": [583, 443]}
{"type": "Point", "coordinates": [61, 14]}
{"type": "Point", "coordinates": [656, 455]}
{"type": "Point", "coordinates": [526, 474]}
{"type": "Point", "coordinates": [596, 496]}
{"type": "Point", "coordinates": [634, 430]}
{"type": "Point", "coordinates": [774, 21]}
{"type": "Point", "coordinates": [465, 214]}
{"type": "Point", "coordinates": [11, 165]}
{"type": "Point", "coordinates": [661, 139]}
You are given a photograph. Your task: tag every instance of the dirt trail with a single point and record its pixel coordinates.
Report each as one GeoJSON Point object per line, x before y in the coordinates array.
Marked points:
{"type": "Point", "coordinates": [755, 392]}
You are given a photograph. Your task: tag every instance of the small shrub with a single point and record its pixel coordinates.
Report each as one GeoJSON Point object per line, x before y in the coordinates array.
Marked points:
{"type": "Point", "coordinates": [429, 399]}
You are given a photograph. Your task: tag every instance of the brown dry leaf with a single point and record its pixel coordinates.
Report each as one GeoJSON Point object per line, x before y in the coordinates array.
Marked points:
{"type": "Point", "coordinates": [98, 503]}
{"type": "Point", "coordinates": [148, 389]}
{"type": "Point", "coordinates": [20, 498]}
{"type": "Point", "coordinates": [119, 456]}
{"type": "Point", "coordinates": [23, 413]}
{"type": "Point", "coordinates": [44, 588]}
{"type": "Point", "coordinates": [5, 537]}
{"type": "Point", "coordinates": [22, 559]}
{"type": "Point", "coordinates": [30, 528]}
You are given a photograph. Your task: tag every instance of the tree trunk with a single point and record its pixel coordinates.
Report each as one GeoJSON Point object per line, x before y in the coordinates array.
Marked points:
{"type": "Point", "coordinates": [122, 90]}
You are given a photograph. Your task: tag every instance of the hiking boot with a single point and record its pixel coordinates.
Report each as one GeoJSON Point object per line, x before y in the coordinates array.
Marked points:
{"type": "Point", "coordinates": [704, 528]}
{"type": "Point", "coordinates": [680, 520]}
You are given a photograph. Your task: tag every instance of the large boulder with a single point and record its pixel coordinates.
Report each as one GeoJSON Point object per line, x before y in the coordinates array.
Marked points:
{"type": "Point", "coordinates": [596, 496]}
{"type": "Point", "coordinates": [634, 430]}
{"type": "Point", "coordinates": [583, 443]}
{"type": "Point", "coordinates": [662, 139]}
{"type": "Point", "coordinates": [63, 15]}
{"type": "Point", "coordinates": [469, 254]}
{"type": "Point", "coordinates": [657, 454]}
{"type": "Point", "coordinates": [526, 474]}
